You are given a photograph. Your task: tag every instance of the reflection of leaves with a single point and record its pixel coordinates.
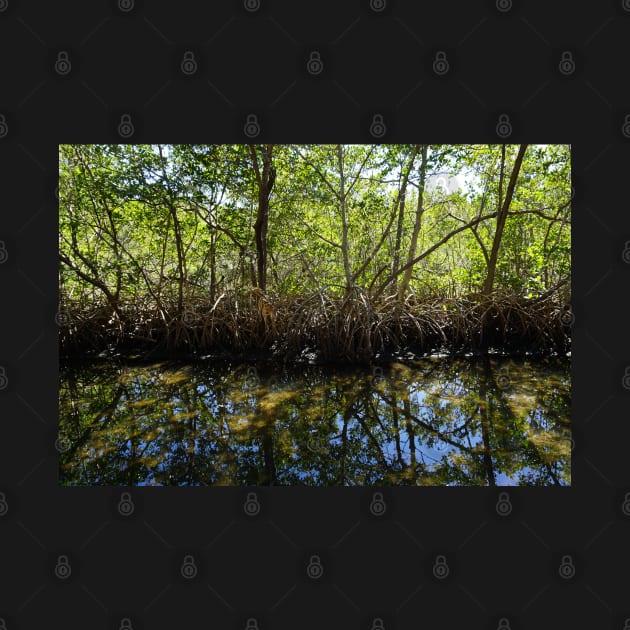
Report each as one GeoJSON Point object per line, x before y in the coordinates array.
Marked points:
{"type": "Point", "coordinates": [316, 427]}
{"type": "Point", "coordinates": [317, 444]}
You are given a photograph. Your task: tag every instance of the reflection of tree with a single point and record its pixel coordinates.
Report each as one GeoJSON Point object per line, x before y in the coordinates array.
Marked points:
{"type": "Point", "coordinates": [485, 422]}
{"type": "Point", "coordinates": [431, 423]}
{"type": "Point", "coordinates": [266, 439]}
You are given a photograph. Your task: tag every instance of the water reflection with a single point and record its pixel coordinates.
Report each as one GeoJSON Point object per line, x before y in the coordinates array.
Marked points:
{"type": "Point", "coordinates": [430, 422]}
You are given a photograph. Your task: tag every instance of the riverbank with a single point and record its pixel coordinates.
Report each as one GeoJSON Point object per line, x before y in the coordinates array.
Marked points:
{"type": "Point", "coordinates": [319, 328]}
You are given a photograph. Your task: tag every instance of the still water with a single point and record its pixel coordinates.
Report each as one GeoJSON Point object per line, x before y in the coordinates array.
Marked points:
{"type": "Point", "coordinates": [431, 422]}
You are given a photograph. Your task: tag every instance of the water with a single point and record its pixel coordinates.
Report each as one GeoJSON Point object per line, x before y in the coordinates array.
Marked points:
{"type": "Point", "coordinates": [432, 422]}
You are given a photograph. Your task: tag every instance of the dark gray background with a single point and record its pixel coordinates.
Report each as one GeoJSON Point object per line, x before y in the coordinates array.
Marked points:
{"type": "Point", "coordinates": [503, 571]}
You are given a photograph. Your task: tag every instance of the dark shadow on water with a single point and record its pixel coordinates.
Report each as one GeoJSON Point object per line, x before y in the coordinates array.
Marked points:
{"type": "Point", "coordinates": [431, 422]}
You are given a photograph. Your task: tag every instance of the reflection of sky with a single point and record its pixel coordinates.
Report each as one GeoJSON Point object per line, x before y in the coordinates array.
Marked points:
{"type": "Point", "coordinates": [226, 415]}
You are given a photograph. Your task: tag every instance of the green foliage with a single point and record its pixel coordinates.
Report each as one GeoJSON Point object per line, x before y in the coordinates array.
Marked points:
{"type": "Point", "coordinates": [143, 222]}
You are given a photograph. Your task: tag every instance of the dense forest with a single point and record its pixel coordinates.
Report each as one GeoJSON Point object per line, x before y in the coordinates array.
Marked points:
{"type": "Point", "coordinates": [349, 252]}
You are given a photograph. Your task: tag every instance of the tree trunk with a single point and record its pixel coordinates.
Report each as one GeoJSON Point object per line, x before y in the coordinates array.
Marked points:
{"type": "Point", "coordinates": [213, 266]}
{"type": "Point", "coordinates": [395, 206]}
{"type": "Point", "coordinates": [171, 201]}
{"type": "Point", "coordinates": [502, 213]}
{"type": "Point", "coordinates": [399, 231]}
{"type": "Point", "coordinates": [486, 423]}
{"type": "Point", "coordinates": [404, 285]}
{"type": "Point", "coordinates": [266, 179]}
{"type": "Point", "coordinates": [181, 259]}
{"type": "Point", "coordinates": [344, 221]}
